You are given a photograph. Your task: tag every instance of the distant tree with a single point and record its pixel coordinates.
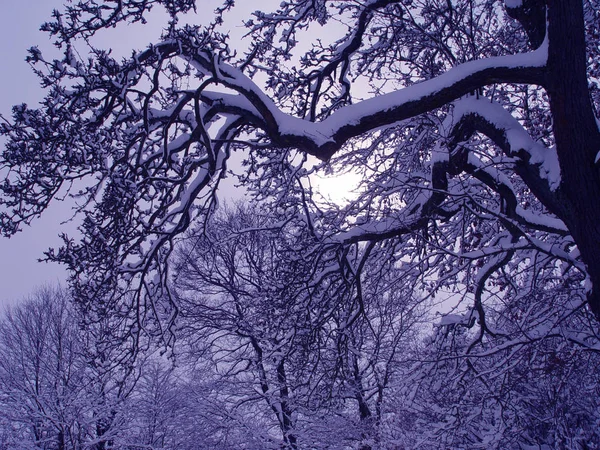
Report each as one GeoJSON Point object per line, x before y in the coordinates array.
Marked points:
{"type": "Point", "coordinates": [541, 394]}
{"type": "Point", "coordinates": [155, 408]}
{"type": "Point", "coordinates": [288, 337]}
{"type": "Point", "coordinates": [250, 303]}
{"type": "Point", "coordinates": [55, 394]}
{"type": "Point", "coordinates": [111, 377]}
{"type": "Point", "coordinates": [42, 374]}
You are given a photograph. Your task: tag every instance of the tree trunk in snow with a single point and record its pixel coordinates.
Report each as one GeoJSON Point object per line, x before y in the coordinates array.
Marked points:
{"type": "Point", "coordinates": [576, 133]}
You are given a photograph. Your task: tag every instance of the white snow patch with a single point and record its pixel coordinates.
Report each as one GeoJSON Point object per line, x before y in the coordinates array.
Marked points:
{"type": "Point", "coordinates": [516, 135]}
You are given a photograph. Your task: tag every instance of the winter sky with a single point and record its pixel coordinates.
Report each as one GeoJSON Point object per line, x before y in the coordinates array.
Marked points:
{"type": "Point", "coordinates": [20, 20]}
{"type": "Point", "coordinates": [20, 271]}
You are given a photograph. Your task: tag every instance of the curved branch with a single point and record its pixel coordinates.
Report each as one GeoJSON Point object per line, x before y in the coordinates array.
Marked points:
{"type": "Point", "coordinates": [536, 165]}
{"type": "Point", "coordinates": [323, 139]}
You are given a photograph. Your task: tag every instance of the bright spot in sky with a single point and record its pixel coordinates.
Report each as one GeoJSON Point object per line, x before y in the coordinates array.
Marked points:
{"type": "Point", "coordinates": [336, 188]}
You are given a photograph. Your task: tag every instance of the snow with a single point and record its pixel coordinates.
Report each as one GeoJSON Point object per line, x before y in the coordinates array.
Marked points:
{"type": "Point", "coordinates": [439, 154]}
{"type": "Point", "coordinates": [178, 142]}
{"type": "Point", "coordinates": [466, 319]}
{"type": "Point", "coordinates": [515, 134]}
{"type": "Point", "coordinates": [232, 100]}
{"type": "Point", "coordinates": [324, 132]}
{"type": "Point", "coordinates": [541, 219]}
{"type": "Point", "coordinates": [451, 319]}
{"type": "Point", "coordinates": [353, 114]}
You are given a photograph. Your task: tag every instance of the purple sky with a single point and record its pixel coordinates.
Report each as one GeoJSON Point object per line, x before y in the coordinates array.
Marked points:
{"type": "Point", "coordinates": [20, 272]}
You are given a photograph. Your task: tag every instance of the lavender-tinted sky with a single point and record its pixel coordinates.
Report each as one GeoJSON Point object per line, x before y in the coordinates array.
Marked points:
{"type": "Point", "coordinates": [20, 20]}
{"type": "Point", "coordinates": [20, 271]}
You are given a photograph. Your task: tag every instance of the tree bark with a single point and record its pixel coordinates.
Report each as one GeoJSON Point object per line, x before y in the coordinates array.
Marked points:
{"type": "Point", "coordinates": [576, 133]}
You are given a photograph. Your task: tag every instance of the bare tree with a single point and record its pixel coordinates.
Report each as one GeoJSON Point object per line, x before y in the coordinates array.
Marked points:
{"type": "Point", "coordinates": [284, 330]}
{"type": "Point", "coordinates": [42, 373]}
{"type": "Point", "coordinates": [481, 115]}
{"type": "Point", "coordinates": [471, 124]}
{"type": "Point", "coordinates": [249, 301]}
{"type": "Point", "coordinates": [57, 391]}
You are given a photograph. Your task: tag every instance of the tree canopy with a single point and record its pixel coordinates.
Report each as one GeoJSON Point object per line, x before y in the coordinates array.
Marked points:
{"type": "Point", "coordinates": [471, 125]}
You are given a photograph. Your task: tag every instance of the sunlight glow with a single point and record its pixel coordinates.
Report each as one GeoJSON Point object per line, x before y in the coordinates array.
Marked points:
{"type": "Point", "coordinates": [336, 188]}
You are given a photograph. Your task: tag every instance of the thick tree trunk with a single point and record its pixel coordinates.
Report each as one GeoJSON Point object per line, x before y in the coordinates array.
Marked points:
{"type": "Point", "coordinates": [576, 133]}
